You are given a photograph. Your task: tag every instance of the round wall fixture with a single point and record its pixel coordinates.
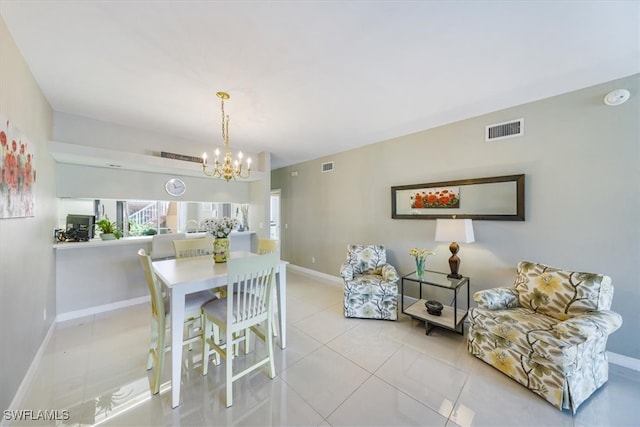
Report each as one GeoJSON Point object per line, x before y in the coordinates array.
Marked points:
{"type": "Point", "coordinates": [617, 97]}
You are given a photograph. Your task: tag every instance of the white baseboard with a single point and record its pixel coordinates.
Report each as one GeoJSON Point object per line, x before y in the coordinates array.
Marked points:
{"type": "Point", "coordinates": [101, 308]}
{"type": "Point", "coordinates": [624, 361]}
{"type": "Point", "coordinates": [31, 372]}
{"type": "Point", "coordinates": [314, 273]}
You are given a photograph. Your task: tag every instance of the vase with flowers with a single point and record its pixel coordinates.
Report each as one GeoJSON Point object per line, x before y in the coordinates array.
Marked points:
{"type": "Point", "coordinates": [420, 255]}
{"type": "Point", "coordinates": [220, 228]}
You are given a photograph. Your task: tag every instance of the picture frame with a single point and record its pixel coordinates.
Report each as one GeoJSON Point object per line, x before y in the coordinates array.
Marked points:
{"type": "Point", "coordinates": [494, 198]}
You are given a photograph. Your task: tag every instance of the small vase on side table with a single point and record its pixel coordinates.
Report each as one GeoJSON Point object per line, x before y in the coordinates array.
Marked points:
{"type": "Point", "coordinates": [420, 267]}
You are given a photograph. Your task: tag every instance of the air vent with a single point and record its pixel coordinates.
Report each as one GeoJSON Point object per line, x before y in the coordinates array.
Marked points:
{"type": "Point", "coordinates": [504, 130]}
{"type": "Point", "coordinates": [327, 167]}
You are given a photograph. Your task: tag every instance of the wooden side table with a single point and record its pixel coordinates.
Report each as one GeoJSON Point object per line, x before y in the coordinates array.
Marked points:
{"type": "Point", "coordinates": [452, 316]}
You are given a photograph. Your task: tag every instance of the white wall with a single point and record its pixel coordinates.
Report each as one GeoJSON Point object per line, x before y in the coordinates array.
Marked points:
{"type": "Point", "coordinates": [27, 274]}
{"type": "Point", "coordinates": [581, 159]}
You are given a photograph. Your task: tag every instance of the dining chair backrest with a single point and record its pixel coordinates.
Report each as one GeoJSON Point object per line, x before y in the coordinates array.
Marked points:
{"type": "Point", "coordinates": [253, 277]}
{"type": "Point", "coordinates": [185, 248]}
{"type": "Point", "coordinates": [157, 300]}
{"type": "Point", "coordinates": [162, 245]}
{"type": "Point", "coordinates": [267, 246]}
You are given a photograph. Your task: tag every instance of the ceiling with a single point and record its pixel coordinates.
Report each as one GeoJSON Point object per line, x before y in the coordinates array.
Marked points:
{"type": "Point", "coordinates": [312, 78]}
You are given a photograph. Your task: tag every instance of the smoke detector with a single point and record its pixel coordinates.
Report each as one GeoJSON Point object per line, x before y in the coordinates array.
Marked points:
{"type": "Point", "coordinates": [617, 97]}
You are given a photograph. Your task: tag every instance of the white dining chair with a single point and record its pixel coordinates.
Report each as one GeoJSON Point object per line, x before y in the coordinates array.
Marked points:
{"type": "Point", "coordinates": [162, 245]}
{"type": "Point", "coordinates": [247, 308]}
{"type": "Point", "coordinates": [186, 248]}
{"type": "Point", "coordinates": [161, 323]}
{"type": "Point", "coordinates": [268, 246]}
{"type": "Point", "coordinates": [193, 247]}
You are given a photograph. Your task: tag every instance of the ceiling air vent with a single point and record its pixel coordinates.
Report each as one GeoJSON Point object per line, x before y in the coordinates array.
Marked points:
{"type": "Point", "coordinates": [327, 167]}
{"type": "Point", "coordinates": [504, 130]}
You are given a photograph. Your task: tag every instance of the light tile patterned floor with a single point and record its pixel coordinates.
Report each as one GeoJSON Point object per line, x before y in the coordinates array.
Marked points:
{"type": "Point", "coordinates": [334, 372]}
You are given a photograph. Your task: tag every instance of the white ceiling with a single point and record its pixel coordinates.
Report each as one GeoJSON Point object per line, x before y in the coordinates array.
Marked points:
{"type": "Point", "coordinates": [312, 78]}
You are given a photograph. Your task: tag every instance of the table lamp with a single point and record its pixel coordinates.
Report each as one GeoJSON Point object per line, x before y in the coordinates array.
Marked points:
{"type": "Point", "coordinates": [454, 230]}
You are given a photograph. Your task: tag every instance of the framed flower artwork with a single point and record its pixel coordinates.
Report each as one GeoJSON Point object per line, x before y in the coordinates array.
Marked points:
{"type": "Point", "coordinates": [17, 173]}
{"type": "Point", "coordinates": [494, 198]}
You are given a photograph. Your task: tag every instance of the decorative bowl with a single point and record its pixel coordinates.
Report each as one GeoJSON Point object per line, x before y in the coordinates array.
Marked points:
{"type": "Point", "coordinates": [434, 307]}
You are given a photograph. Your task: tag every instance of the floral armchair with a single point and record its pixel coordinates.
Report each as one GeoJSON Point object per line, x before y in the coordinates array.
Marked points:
{"type": "Point", "coordinates": [370, 284]}
{"type": "Point", "coordinates": [548, 332]}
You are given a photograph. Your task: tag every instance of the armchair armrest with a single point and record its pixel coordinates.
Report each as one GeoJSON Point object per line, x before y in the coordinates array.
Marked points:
{"type": "Point", "coordinates": [346, 271]}
{"type": "Point", "coordinates": [496, 298]}
{"type": "Point", "coordinates": [389, 273]}
{"type": "Point", "coordinates": [590, 324]}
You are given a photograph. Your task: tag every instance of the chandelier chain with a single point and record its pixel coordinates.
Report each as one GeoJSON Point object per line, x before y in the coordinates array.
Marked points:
{"type": "Point", "coordinates": [225, 124]}
{"type": "Point", "coordinates": [227, 169]}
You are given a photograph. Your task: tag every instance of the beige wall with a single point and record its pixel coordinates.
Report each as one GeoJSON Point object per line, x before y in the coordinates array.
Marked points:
{"type": "Point", "coordinates": [582, 165]}
{"type": "Point", "coordinates": [27, 274]}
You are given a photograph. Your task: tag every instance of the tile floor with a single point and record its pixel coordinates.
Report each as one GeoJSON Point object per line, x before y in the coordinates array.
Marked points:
{"type": "Point", "coordinates": [334, 372]}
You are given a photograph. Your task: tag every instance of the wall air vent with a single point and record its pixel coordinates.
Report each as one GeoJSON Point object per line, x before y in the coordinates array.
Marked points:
{"type": "Point", "coordinates": [327, 167]}
{"type": "Point", "coordinates": [504, 130]}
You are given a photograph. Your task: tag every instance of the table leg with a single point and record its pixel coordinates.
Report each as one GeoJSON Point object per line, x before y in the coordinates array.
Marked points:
{"type": "Point", "coordinates": [281, 285]}
{"type": "Point", "coordinates": [177, 332]}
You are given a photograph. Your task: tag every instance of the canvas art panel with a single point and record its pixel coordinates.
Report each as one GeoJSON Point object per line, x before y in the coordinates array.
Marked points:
{"type": "Point", "coordinates": [17, 172]}
{"type": "Point", "coordinates": [434, 198]}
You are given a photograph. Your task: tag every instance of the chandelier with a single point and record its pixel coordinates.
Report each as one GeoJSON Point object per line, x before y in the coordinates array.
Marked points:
{"type": "Point", "coordinates": [228, 168]}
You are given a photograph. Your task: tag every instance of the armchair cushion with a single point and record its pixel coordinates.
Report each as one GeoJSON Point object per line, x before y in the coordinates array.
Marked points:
{"type": "Point", "coordinates": [496, 299]}
{"type": "Point", "coordinates": [560, 293]}
{"type": "Point", "coordinates": [593, 324]}
{"type": "Point", "coordinates": [389, 273]}
{"type": "Point", "coordinates": [346, 271]}
{"type": "Point", "coordinates": [364, 259]}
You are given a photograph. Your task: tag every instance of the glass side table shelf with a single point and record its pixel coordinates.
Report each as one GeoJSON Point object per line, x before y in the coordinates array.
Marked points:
{"type": "Point", "coordinates": [452, 316]}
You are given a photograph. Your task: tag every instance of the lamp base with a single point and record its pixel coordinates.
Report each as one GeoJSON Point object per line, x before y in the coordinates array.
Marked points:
{"type": "Point", "coordinates": [454, 262]}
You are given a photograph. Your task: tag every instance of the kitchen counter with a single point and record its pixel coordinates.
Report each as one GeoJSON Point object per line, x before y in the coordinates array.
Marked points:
{"type": "Point", "coordinates": [101, 275]}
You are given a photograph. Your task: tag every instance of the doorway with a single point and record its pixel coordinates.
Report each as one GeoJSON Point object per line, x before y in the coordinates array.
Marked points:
{"type": "Point", "coordinates": [274, 216]}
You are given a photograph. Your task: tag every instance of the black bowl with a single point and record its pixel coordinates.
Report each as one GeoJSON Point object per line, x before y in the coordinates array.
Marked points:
{"type": "Point", "coordinates": [434, 307]}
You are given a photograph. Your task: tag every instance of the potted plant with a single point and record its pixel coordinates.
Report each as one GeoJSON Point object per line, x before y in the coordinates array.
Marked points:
{"type": "Point", "coordinates": [108, 229]}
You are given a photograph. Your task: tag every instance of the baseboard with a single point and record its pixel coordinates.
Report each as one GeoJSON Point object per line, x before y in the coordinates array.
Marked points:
{"type": "Point", "coordinates": [101, 308]}
{"type": "Point", "coordinates": [615, 358]}
{"type": "Point", "coordinates": [624, 361]}
{"type": "Point", "coordinates": [29, 376]}
{"type": "Point", "coordinates": [314, 273]}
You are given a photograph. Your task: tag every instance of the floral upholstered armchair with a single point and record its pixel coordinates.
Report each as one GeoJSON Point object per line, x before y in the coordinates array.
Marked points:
{"type": "Point", "coordinates": [548, 332]}
{"type": "Point", "coordinates": [370, 284]}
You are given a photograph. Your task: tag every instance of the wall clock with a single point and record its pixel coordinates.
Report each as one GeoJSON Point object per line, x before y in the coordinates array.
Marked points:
{"type": "Point", "coordinates": [175, 187]}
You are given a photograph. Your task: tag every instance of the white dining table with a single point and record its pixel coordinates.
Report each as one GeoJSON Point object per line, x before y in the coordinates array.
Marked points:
{"type": "Point", "coordinates": [182, 276]}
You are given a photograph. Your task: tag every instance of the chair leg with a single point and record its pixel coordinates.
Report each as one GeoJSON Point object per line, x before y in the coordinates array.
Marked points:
{"type": "Point", "coordinates": [269, 341]}
{"type": "Point", "coordinates": [247, 340]}
{"type": "Point", "coordinates": [209, 330]}
{"type": "Point", "coordinates": [154, 343]}
{"type": "Point", "coordinates": [229, 371]}
{"type": "Point", "coordinates": [157, 375]}
{"type": "Point", "coordinates": [205, 346]}
{"type": "Point", "coordinates": [274, 319]}
{"type": "Point", "coordinates": [189, 334]}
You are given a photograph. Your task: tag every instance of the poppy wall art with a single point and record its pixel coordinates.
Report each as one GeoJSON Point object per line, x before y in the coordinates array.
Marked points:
{"type": "Point", "coordinates": [434, 198]}
{"type": "Point", "coordinates": [492, 198]}
{"type": "Point", "coordinates": [17, 173]}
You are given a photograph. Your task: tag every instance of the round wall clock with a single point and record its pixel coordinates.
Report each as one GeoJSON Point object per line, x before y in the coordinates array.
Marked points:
{"type": "Point", "coordinates": [175, 187]}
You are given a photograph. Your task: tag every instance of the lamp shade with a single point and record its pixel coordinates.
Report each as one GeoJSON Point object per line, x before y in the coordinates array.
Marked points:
{"type": "Point", "coordinates": [454, 230]}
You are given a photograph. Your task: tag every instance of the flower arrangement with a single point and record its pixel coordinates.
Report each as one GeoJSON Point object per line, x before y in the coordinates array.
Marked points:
{"type": "Point", "coordinates": [220, 227]}
{"type": "Point", "coordinates": [420, 256]}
